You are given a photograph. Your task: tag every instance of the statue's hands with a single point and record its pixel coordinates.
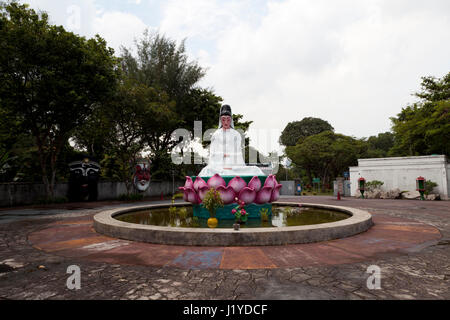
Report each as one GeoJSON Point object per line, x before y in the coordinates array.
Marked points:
{"type": "Point", "coordinates": [226, 156]}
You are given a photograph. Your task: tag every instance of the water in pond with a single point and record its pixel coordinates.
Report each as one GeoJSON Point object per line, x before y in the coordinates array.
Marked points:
{"type": "Point", "coordinates": [282, 217]}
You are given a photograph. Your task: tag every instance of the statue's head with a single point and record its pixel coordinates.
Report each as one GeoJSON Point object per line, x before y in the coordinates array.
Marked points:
{"type": "Point", "coordinates": [225, 111]}
{"type": "Point", "coordinates": [226, 120]}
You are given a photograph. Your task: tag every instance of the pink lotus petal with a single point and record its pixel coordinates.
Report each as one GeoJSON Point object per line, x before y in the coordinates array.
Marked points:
{"type": "Point", "coordinates": [247, 195]}
{"type": "Point", "coordinates": [255, 184]}
{"type": "Point", "coordinates": [276, 193]}
{"type": "Point", "coordinates": [264, 195]}
{"type": "Point", "coordinates": [199, 182]}
{"type": "Point", "coordinates": [185, 197]}
{"type": "Point", "coordinates": [192, 196]}
{"type": "Point", "coordinates": [270, 181]}
{"type": "Point", "coordinates": [216, 181]}
{"type": "Point", "coordinates": [275, 180]}
{"type": "Point", "coordinates": [227, 194]}
{"type": "Point", "coordinates": [189, 183]}
{"type": "Point", "coordinates": [202, 192]}
{"type": "Point", "coordinates": [237, 183]}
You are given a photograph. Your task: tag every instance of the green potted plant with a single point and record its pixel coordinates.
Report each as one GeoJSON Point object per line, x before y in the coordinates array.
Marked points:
{"type": "Point", "coordinates": [212, 202]}
{"type": "Point", "coordinates": [265, 217]}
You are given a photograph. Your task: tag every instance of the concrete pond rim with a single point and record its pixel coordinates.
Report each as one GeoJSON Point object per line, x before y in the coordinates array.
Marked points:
{"type": "Point", "coordinates": [358, 222]}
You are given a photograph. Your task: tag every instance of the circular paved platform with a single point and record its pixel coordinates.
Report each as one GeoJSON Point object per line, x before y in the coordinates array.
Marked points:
{"type": "Point", "coordinates": [358, 221]}
{"type": "Point", "coordinates": [76, 238]}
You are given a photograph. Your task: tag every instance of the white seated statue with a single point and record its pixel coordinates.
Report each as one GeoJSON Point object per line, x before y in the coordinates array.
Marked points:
{"type": "Point", "coordinates": [225, 153]}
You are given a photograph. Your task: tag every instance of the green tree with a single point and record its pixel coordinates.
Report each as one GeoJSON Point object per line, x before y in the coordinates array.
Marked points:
{"type": "Point", "coordinates": [51, 80]}
{"type": "Point", "coordinates": [124, 114]}
{"type": "Point", "coordinates": [10, 129]}
{"type": "Point", "coordinates": [434, 90]}
{"type": "Point", "coordinates": [380, 145]}
{"type": "Point", "coordinates": [94, 136]}
{"type": "Point", "coordinates": [291, 173]}
{"type": "Point", "coordinates": [326, 154]}
{"type": "Point", "coordinates": [134, 112]}
{"type": "Point", "coordinates": [201, 105]}
{"type": "Point", "coordinates": [297, 130]}
{"type": "Point", "coordinates": [135, 119]}
{"type": "Point", "coordinates": [159, 115]}
{"type": "Point", "coordinates": [424, 127]}
{"type": "Point", "coordinates": [163, 65]}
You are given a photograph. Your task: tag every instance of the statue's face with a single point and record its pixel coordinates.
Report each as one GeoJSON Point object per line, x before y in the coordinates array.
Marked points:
{"type": "Point", "coordinates": [226, 122]}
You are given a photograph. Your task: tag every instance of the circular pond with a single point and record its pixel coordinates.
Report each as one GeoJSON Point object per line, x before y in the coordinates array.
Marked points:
{"type": "Point", "coordinates": [283, 216]}
{"type": "Point", "coordinates": [348, 222]}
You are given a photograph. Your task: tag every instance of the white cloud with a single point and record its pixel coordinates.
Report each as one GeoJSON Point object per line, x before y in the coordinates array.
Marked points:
{"type": "Point", "coordinates": [119, 29]}
{"type": "Point", "coordinates": [207, 19]}
{"type": "Point", "coordinates": [352, 63]}
{"type": "Point", "coordinates": [87, 18]}
{"type": "Point", "coordinates": [64, 12]}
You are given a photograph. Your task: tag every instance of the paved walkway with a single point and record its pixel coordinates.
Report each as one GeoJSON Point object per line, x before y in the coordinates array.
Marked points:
{"type": "Point", "coordinates": [409, 242]}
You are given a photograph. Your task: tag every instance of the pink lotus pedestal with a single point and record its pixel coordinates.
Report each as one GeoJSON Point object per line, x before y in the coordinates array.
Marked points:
{"type": "Point", "coordinates": [258, 192]}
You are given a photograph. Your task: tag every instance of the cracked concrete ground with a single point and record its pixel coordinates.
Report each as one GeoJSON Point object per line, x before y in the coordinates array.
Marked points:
{"type": "Point", "coordinates": [29, 273]}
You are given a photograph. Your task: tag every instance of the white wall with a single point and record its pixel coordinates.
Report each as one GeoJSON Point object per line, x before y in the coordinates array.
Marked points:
{"type": "Point", "coordinates": [402, 173]}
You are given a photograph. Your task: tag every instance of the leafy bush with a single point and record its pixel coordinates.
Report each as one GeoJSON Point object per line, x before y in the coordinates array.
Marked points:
{"type": "Point", "coordinates": [372, 185]}
{"type": "Point", "coordinates": [195, 222]}
{"type": "Point", "coordinates": [182, 213]}
{"type": "Point", "coordinates": [429, 186]}
{"type": "Point", "coordinates": [177, 196]}
{"type": "Point", "coordinates": [173, 212]}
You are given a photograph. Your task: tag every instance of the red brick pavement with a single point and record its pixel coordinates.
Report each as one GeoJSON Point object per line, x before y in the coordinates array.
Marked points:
{"type": "Point", "coordinates": [390, 235]}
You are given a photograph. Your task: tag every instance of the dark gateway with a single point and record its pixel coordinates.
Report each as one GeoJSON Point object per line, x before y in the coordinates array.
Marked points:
{"type": "Point", "coordinates": [83, 180]}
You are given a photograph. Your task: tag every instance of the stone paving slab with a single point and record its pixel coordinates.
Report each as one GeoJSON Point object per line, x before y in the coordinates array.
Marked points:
{"type": "Point", "coordinates": [246, 258]}
{"type": "Point", "coordinates": [413, 267]}
{"type": "Point", "coordinates": [388, 235]}
{"type": "Point", "coordinates": [200, 259]}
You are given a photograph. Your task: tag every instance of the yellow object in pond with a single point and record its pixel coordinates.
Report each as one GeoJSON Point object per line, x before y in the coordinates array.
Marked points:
{"type": "Point", "coordinates": [212, 223]}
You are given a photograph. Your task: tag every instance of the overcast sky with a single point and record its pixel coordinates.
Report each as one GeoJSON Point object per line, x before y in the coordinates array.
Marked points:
{"type": "Point", "coordinates": [354, 63]}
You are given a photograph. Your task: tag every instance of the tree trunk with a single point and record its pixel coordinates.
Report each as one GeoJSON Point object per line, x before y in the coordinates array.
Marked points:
{"type": "Point", "coordinates": [325, 177]}
{"type": "Point", "coordinates": [126, 174]}
{"type": "Point", "coordinates": [308, 172]}
{"type": "Point", "coordinates": [53, 159]}
{"type": "Point", "coordinates": [43, 162]}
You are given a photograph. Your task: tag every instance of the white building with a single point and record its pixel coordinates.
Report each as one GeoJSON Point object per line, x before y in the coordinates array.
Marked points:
{"type": "Point", "coordinates": [402, 173]}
